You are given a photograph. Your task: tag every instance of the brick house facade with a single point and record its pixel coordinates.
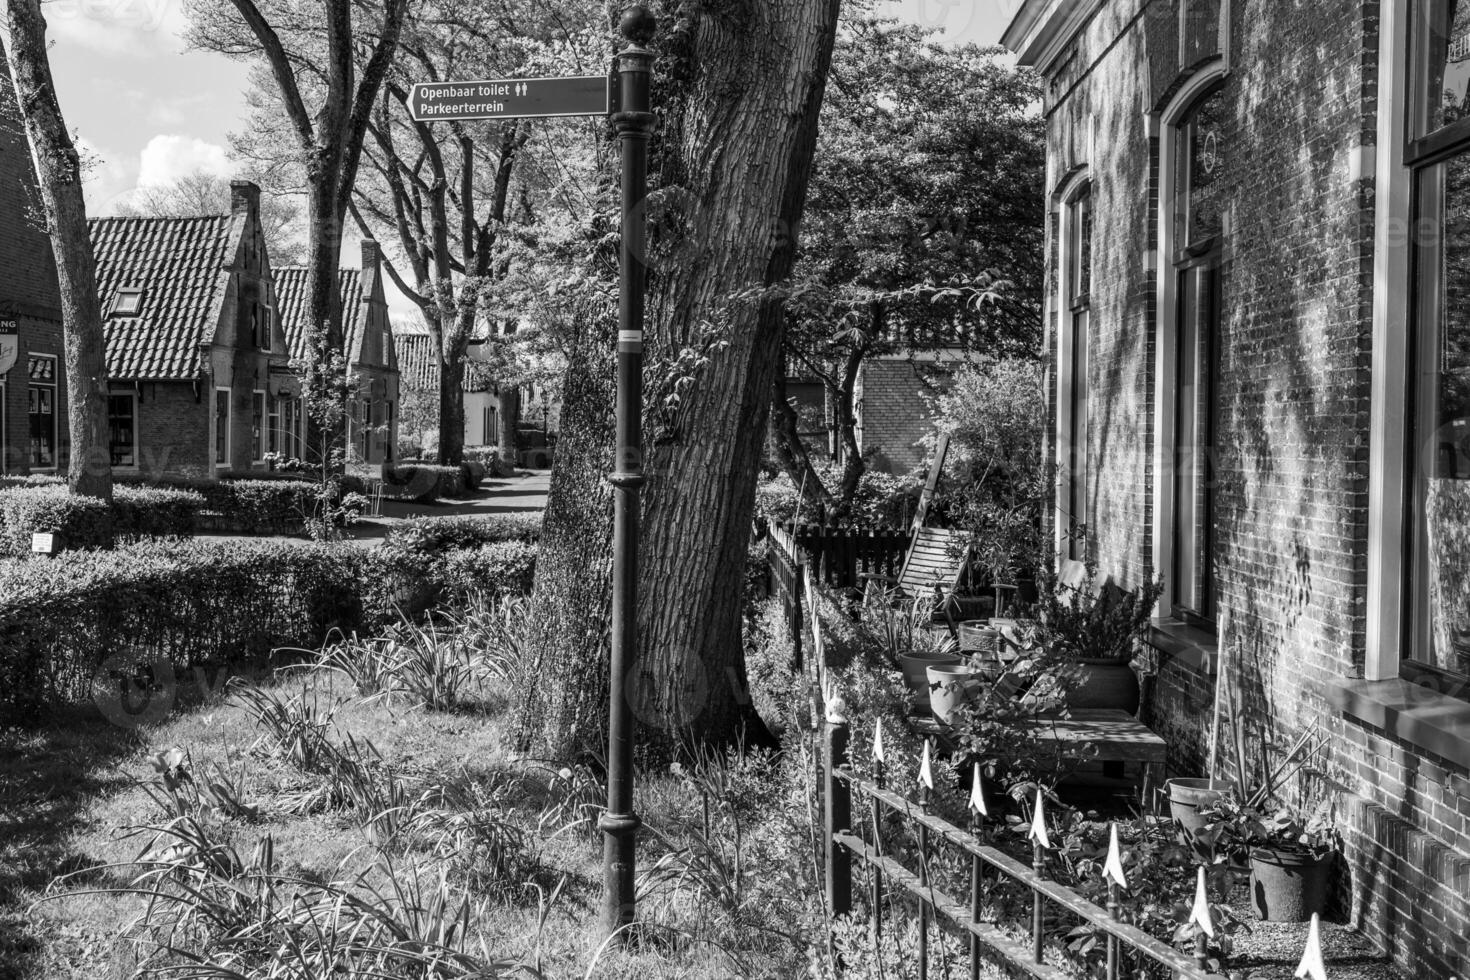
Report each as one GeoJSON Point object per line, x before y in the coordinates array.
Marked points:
{"type": "Point", "coordinates": [196, 358]}
{"type": "Point", "coordinates": [1256, 378]}
{"type": "Point", "coordinates": [33, 428]}
{"type": "Point", "coordinates": [894, 407]}
{"type": "Point", "coordinates": [368, 345]}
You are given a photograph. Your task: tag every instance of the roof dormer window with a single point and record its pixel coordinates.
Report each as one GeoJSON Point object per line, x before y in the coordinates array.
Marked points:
{"type": "Point", "coordinates": [127, 302]}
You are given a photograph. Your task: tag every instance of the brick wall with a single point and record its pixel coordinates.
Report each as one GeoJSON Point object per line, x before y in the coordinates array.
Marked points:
{"type": "Point", "coordinates": [173, 431]}
{"type": "Point", "coordinates": [894, 411]}
{"type": "Point", "coordinates": [28, 291]}
{"type": "Point", "coordinates": [1293, 382]}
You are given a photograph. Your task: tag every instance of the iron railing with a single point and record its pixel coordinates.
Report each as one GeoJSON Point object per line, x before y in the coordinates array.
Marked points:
{"type": "Point", "coordinates": [987, 940]}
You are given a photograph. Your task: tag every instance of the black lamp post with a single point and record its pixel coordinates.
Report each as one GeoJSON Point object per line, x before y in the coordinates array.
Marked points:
{"type": "Point", "coordinates": [634, 123]}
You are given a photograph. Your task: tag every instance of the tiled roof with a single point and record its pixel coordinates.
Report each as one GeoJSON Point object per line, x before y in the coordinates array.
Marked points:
{"type": "Point", "coordinates": [418, 369]}
{"type": "Point", "coordinates": [292, 292]}
{"type": "Point", "coordinates": [179, 263]}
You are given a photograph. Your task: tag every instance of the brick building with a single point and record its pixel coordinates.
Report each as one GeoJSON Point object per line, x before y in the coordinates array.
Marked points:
{"type": "Point", "coordinates": [367, 343]}
{"type": "Point", "coordinates": [893, 402]}
{"type": "Point", "coordinates": [33, 431]}
{"type": "Point", "coordinates": [196, 358]}
{"type": "Point", "coordinates": [1259, 257]}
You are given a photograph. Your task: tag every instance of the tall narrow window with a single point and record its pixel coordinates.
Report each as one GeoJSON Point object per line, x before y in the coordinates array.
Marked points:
{"type": "Point", "coordinates": [257, 426]}
{"type": "Point", "coordinates": [1437, 573]}
{"type": "Point", "coordinates": [222, 426]}
{"type": "Point", "coordinates": [122, 429]}
{"type": "Point", "coordinates": [274, 442]}
{"type": "Point", "coordinates": [1079, 313]}
{"type": "Point", "coordinates": [1199, 227]}
{"type": "Point", "coordinates": [41, 373]}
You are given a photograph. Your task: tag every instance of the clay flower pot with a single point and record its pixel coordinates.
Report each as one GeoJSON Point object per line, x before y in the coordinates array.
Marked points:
{"type": "Point", "coordinates": [951, 685]}
{"type": "Point", "coordinates": [914, 666]}
{"type": "Point", "coordinates": [1289, 885]}
{"type": "Point", "coordinates": [1189, 797]}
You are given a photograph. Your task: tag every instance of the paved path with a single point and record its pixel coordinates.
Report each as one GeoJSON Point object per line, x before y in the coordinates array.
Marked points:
{"type": "Point", "coordinates": [525, 492]}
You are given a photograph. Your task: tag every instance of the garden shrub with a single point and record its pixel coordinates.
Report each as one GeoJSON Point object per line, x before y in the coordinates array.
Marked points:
{"type": "Point", "coordinates": [425, 482]}
{"type": "Point", "coordinates": [32, 480]}
{"type": "Point", "coordinates": [431, 535]}
{"type": "Point", "coordinates": [78, 522]}
{"type": "Point", "coordinates": [473, 474]}
{"type": "Point", "coordinates": [503, 568]}
{"type": "Point", "coordinates": [154, 512]}
{"type": "Point", "coordinates": [260, 503]}
{"type": "Point", "coordinates": [178, 605]}
{"type": "Point", "coordinates": [881, 498]}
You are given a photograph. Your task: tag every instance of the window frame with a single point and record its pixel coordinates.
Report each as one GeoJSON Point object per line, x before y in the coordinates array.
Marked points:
{"type": "Point", "coordinates": [54, 385]}
{"type": "Point", "coordinates": [223, 446]}
{"type": "Point", "coordinates": [132, 396]}
{"type": "Point", "coordinates": [1075, 392]}
{"type": "Point", "coordinates": [259, 416]}
{"type": "Point", "coordinates": [1166, 130]}
{"type": "Point", "coordinates": [120, 304]}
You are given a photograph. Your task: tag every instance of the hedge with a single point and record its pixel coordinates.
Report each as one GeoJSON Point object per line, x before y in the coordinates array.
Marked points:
{"type": "Point", "coordinates": [432, 535]}
{"type": "Point", "coordinates": [79, 522]}
{"type": "Point", "coordinates": [424, 482]}
{"type": "Point", "coordinates": [154, 512]}
{"type": "Point", "coordinates": [259, 504]}
{"type": "Point", "coordinates": [209, 604]}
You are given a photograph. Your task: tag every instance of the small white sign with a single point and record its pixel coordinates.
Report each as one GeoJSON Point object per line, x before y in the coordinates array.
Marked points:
{"type": "Point", "coordinates": [43, 543]}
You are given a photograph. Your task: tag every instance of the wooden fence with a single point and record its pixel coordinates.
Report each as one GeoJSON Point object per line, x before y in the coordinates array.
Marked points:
{"type": "Point", "coordinates": [840, 556]}
{"type": "Point", "coordinates": [845, 841]}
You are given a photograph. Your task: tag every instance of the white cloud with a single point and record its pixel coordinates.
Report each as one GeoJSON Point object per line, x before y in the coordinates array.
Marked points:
{"type": "Point", "coordinates": [140, 27]}
{"type": "Point", "coordinates": [167, 157]}
{"type": "Point", "coordinates": [108, 180]}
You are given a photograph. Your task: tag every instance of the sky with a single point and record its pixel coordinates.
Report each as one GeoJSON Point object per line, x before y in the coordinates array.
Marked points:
{"type": "Point", "coordinates": [148, 111]}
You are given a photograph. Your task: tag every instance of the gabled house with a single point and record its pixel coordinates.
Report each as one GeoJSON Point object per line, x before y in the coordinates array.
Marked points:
{"type": "Point", "coordinates": [196, 359]}
{"type": "Point", "coordinates": [33, 435]}
{"type": "Point", "coordinates": [367, 343]}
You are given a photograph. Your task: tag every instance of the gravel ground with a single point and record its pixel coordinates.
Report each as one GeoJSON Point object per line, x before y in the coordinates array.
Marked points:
{"type": "Point", "coordinates": [1272, 951]}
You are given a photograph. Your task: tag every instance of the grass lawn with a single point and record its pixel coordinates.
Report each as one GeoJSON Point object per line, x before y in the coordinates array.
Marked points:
{"type": "Point", "coordinates": [75, 792]}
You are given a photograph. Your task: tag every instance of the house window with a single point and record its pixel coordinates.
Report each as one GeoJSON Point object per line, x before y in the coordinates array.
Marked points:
{"type": "Point", "coordinates": [1199, 218]}
{"type": "Point", "coordinates": [127, 302]}
{"type": "Point", "coordinates": [122, 429]}
{"type": "Point", "coordinates": [257, 426]}
{"type": "Point", "coordinates": [41, 374]}
{"type": "Point", "coordinates": [1437, 490]}
{"type": "Point", "coordinates": [1079, 313]}
{"type": "Point", "coordinates": [222, 426]}
{"type": "Point", "coordinates": [274, 442]}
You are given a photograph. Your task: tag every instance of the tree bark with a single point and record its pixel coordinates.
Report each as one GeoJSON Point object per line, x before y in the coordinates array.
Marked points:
{"type": "Point", "coordinates": [508, 417]}
{"type": "Point", "coordinates": [58, 171]}
{"type": "Point", "coordinates": [564, 709]}
{"type": "Point", "coordinates": [740, 129]}
{"type": "Point", "coordinates": [451, 412]}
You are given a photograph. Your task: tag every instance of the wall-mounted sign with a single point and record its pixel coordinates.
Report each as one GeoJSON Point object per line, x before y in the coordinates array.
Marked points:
{"type": "Point", "coordinates": [9, 344]}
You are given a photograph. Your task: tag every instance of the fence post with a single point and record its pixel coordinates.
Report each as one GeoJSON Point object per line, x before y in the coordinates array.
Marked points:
{"type": "Point", "coordinates": [838, 811]}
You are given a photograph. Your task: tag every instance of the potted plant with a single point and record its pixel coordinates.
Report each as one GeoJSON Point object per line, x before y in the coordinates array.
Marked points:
{"type": "Point", "coordinates": [1289, 851]}
{"type": "Point", "coordinates": [1097, 628]}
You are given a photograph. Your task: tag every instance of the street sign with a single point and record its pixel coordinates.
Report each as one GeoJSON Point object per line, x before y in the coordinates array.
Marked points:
{"type": "Point", "coordinates": [510, 98]}
{"type": "Point", "coordinates": [9, 344]}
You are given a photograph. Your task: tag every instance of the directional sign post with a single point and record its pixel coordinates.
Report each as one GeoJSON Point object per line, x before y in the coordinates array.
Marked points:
{"type": "Point", "coordinates": [634, 122]}
{"type": "Point", "coordinates": [627, 101]}
{"type": "Point", "coordinates": [511, 98]}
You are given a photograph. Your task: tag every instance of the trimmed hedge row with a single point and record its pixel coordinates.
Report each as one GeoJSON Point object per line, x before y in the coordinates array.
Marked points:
{"type": "Point", "coordinates": [86, 522]}
{"type": "Point", "coordinates": [424, 482]}
{"type": "Point", "coordinates": [431, 535]}
{"type": "Point", "coordinates": [65, 623]}
{"type": "Point", "coordinates": [259, 504]}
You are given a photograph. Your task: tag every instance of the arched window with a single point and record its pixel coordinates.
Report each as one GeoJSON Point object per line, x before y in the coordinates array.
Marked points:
{"type": "Point", "coordinates": [1200, 158]}
{"type": "Point", "coordinates": [1075, 510]}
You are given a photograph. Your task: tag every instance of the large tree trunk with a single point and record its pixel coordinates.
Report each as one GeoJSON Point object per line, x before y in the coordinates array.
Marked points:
{"type": "Point", "coordinates": [739, 133]}
{"type": "Point", "coordinates": [59, 172]}
{"type": "Point", "coordinates": [508, 419]}
{"type": "Point", "coordinates": [451, 411]}
{"type": "Point", "coordinates": [564, 709]}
